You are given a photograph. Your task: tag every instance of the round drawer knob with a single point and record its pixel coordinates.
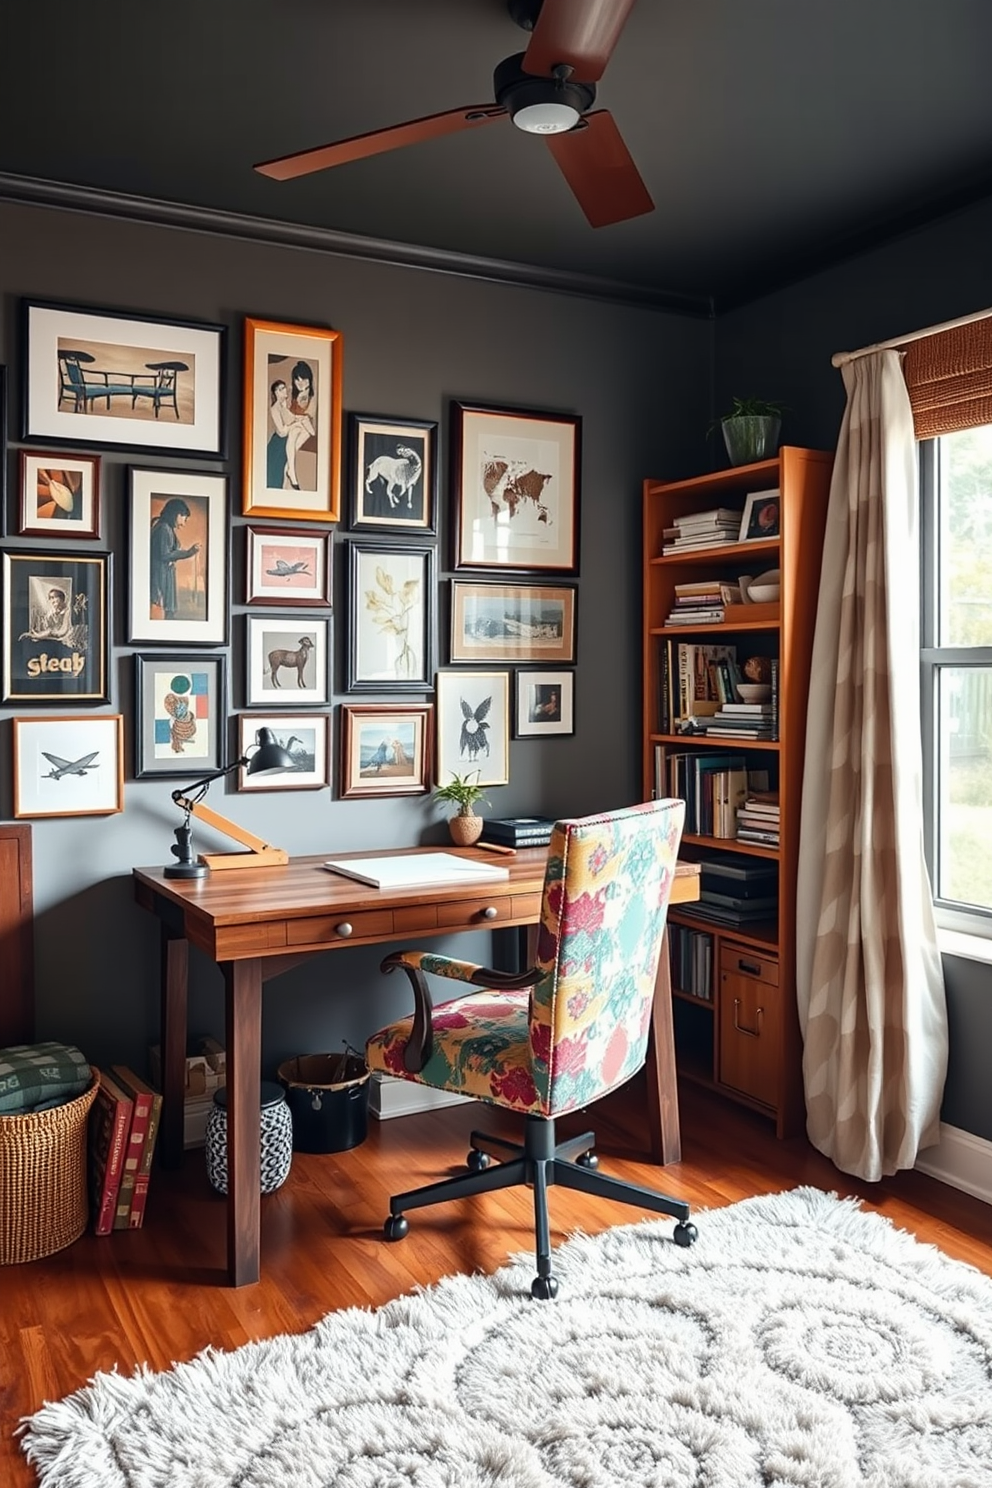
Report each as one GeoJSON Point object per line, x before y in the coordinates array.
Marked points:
{"type": "Point", "coordinates": [490, 912]}
{"type": "Point", "coordinates": [345, 929]}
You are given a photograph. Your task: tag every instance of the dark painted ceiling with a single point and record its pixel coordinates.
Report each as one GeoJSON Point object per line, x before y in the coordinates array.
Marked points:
{"type": "Point", "coordinates": [774, 135]}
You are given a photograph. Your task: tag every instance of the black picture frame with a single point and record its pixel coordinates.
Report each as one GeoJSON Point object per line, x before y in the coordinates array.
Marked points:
{"type": "Point", "coordinates": [180, 714]}
{"type": "Point", "coordinates": [385, 491]}
{"type": "Point", "coordinates": [56, 650]}
{"type": "Point", "coordinates": [392, 628]}
{"type": "Point", "coordinates": [199, 596]}
{"type": "Point", "coordinates": [3, 451]}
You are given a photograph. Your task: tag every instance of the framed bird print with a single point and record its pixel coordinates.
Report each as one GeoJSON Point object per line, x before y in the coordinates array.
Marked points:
{"type": "Point", "coordinates": [473, 726]}
{"type": "Point", "coordinates": [287, 567]}
{"type": "Point", "coordinates": [69, 766]}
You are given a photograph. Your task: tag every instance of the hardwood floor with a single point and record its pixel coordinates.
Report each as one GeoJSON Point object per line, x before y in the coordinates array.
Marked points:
{"type": "Point", "coordinates": [156, 1295]}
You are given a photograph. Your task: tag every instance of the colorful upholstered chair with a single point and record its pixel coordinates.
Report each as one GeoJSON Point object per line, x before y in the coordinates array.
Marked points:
{"type": "Point", "coordinates": [549, 1040]}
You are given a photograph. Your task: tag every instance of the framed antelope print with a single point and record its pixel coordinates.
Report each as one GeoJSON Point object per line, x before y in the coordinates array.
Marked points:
{"type": "Point", "coordinates": [392, 474]}
{"type": "Point", "coordinates": [292, 422]}
{"type": "Point", "coordinates": [288, 658]}
{"type": "Point", "coordinates": [473, 727]}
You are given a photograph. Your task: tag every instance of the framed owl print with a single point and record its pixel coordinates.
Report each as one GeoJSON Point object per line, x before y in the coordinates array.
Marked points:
{"type": "Point", "coordinates": [473, 726]}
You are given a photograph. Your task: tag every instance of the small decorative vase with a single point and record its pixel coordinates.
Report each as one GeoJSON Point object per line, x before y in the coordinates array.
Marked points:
{"type": "Point", "coordinates": [751, 438]}
{"type": "Point", "coordinates": [465, 828]}
{"type": "Point", "coordinates": [275, 1134]}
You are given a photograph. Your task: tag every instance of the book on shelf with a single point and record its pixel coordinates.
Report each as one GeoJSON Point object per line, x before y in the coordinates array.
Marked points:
{"type": "Point", "coordinates": [717, 867]}
{"type": "Point", "coordinates": [110, 1123]}
{"type": "Point", "coordinates": [775, 709]}
{"type": "Point", "coordinates": [145, 1124]}
{"type": "Point", "coordinates": [717, 516]}
{"type": "Point", "coordinates": [735, 919]}
{"type": "Point", "coordinates": [746, 904]}
{"type": "Point", "coordinates": [519, 831]}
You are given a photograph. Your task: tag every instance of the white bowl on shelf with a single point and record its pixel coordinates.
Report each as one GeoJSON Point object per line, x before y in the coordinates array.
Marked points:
{"type": "Point", "coordinates": [764, 593]}
{"type": "Point", "coordinates": [754, 692]}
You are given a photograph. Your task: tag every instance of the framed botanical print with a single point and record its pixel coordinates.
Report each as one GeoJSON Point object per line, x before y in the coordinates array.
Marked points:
{"type": "Point", "coordinates": [392, 617]}
{"type": "Point", "coordinates": [69, 766]}
{"type": "Point", "coordinates": [473, 728]}
{"type": "Point", "coordinates": [292, 422]}
{"type": "Point", "coordinates": [287, 659]}
{"type": "Point", "coordinates": [545, 704]}
{"type": "Point", "coordinates": [287, 566]}
{"type": "Point", "coordinates": [56, 627]}
{"type": "Point", "coordinates": [180, 708]}
{"type": "Point", "coordinates": [104, 377]}
{"type": "Point", "coordinates": [512, 622]}
{"type": "Point", "coordinates": [59, 495]}
{"type": "Point", "coordinates": [304, 736]}
{"type": "Point", "coordinates": [515, 478]}
{"type": "Point", "coordinates": [177, 558]}
{"type": "Point", "coordinates": [386, 749]}
{"type": "Point", "coordinates": [392, 474]}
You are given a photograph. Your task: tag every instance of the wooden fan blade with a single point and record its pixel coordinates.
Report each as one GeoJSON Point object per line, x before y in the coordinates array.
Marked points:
{"type": "Point", "coordinates": [581, 33]}
{"type": "Point", "coordinates": [375, 143]}
{"type": "Point", "coordinates": [598, 167]}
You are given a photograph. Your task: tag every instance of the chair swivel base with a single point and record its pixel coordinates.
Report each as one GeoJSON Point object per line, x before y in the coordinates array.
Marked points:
{"type": "Point", "coordinates": [540, 1162]}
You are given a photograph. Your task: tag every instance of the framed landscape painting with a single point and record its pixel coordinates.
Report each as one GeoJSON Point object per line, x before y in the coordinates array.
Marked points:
{"type": "Point", "coordinates": [56, 627]}
{"type": "Point", "coordinates": [177, 558]}
{"type": "Point", "coordinates": [386, 749]}
{"type": "Point", "coordinates": [393, 474]}
{"type": "Point", "coordinates": [288, 566]}
{"type": "Point", "coordinates": [180, 715]}
{"type": "Point", "coordinates": [69, 766]}
{"type": "Point", "coordinates": [473, 728]}
{"type": "Point", "coordinates": [59, 495]}
{"type": "Point", "coordinates": [292, 422]}
{"type": "Point", "coordinates": [104, 377]}
{"type": "Point", "coordinates": [304, 736]}
{"type": "Point", "coordinates": [512, 622]}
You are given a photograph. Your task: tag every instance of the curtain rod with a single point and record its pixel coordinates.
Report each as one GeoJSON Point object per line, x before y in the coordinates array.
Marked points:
{"type": "Point", "coordinates": [840, 358]}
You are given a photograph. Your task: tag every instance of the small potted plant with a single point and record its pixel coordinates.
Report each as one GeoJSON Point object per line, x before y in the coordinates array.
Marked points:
{"type": "Point", "coordinates": [751, 429]}
{"type": "Point", "coordinates": [462, 791]}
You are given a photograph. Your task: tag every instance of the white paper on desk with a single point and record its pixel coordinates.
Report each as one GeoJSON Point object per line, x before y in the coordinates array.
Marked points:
{"type": "Point", "coordinates": [411, 871]}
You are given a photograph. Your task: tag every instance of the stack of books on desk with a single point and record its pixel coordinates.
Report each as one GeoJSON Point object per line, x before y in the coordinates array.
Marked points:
{"type": "Point", "coordinates": [518, 831]}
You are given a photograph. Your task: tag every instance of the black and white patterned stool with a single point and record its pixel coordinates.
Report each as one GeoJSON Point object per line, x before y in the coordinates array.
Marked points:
{"type": "Point", "coordinates": [276, 1125]}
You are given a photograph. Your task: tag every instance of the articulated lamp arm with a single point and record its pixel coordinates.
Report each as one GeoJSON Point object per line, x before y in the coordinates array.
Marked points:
{"type": "Point", "coordinates": [269, 758]}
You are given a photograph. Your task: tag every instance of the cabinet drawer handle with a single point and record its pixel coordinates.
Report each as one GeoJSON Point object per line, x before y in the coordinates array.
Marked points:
{"type": "Point", "coordinates": [345, 929]}
{"type": "Point", "coordinates": [753, 968]}
{"type": "Point", "coordinates": [490, 912]}
{"type": "Point", "coordinates": [747, 1032]}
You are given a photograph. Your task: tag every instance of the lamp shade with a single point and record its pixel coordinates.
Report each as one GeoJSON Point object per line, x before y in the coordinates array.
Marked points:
{"type": "Point", "coordinates": [269, 757]}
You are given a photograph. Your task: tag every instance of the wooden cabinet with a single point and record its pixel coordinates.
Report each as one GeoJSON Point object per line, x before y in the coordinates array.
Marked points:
{"type": "Point", "coordinates": [736, 1029]}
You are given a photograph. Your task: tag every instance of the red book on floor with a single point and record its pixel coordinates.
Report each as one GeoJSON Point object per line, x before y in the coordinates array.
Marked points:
{"type": "Point", "coordinates": [147, 1114]}
{"type": "Point", "coordinates": [110, 1123]}
{"type": "Point", "coordinates": [141, 1104]}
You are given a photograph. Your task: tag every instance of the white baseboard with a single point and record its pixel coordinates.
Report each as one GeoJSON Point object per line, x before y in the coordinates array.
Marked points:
{"type": "Point", "coordinates": [391, 1097]}
{"type": "Point", "coordinates": [961, 1160]}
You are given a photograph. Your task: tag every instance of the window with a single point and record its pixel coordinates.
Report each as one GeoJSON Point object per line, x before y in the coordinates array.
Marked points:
{"type": "Point", "coordinates": [956, 539]}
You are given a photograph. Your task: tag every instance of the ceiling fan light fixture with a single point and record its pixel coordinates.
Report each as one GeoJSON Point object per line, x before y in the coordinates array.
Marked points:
{"type": "Point", "coordinates": [552, 117]}
{"type": "Point", "coordinates": [541, 105]}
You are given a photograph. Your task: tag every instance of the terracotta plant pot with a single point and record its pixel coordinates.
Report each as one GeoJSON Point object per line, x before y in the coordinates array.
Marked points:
{"type": "Point", "coordinates": [465, 829]}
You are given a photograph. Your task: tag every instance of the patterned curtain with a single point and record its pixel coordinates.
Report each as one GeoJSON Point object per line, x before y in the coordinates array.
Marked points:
{"type": "Point", "coordinates": [869, 979]}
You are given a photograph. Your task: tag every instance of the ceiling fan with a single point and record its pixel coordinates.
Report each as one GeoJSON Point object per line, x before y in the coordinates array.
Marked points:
{"type": "Point", "coordinates": [549, 90]}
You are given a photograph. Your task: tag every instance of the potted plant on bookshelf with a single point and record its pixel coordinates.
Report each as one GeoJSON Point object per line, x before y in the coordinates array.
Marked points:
{"type": "Point", "coordinates": [462, 791]}
{"type": "Point", "coordinates": [750, 429]}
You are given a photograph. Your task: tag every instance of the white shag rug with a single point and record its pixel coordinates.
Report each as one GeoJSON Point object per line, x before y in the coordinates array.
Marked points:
{"type": "Point", "coordinates": [800, 1343]}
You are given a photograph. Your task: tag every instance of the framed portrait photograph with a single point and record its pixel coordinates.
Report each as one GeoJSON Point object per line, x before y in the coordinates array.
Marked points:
{"type": "Point", "coordinates": [762, 516]}
{"type": "Point", "coordinates": [512, 622]}
{"type": "Point", "coordinates": [305, 737]}
{"type": "Point", "coordinates": [515, 481]}
{"type": "Point", "coordinates": [69, 766]}
{"type": "Point", "coordinates": [473, 726]}
{"type": "Point", "coordinates": [287, 661]}
{"type": "Point", "coordinates": [287, 566]}
{"type": "Point", "coordinates": [104, 377]}
{"type": "Point", "coordinates": [392, 622]}
{"type": "Point", "coordinates": [59, 495]}
{"type": "Point", "coordinates": [386, 750]}
{"type": "Point", "coordinates": [56, 627]}
{"type": "Point", "coordinates": [292, 422]}
{"type": "Point", "coordinates": [392, 474]}
{"type": "Point", "coordinates": [177, 558]}
{"type": "Point", "coordinates": [180, 715]}
{"type": "Point", "coordinates": [545, 704]}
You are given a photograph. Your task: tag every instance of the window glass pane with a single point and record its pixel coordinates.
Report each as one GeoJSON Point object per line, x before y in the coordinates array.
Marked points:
{"type": "Point", "coordinates": [964, 785]}
{"type": "Point", "coordinates": [964, 603]}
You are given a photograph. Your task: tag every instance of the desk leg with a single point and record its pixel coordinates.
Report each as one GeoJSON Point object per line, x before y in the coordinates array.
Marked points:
{"type": "Point", "coordinates": [243, 1010]}
{"type": "Point", "coordinates": [663, 1096]}
{"type": "Point", "coordinates": [175, 981]}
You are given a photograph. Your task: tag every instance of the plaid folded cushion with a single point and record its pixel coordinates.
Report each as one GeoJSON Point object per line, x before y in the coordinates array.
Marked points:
{"type": "Point", "coordinates": [36, 1076]}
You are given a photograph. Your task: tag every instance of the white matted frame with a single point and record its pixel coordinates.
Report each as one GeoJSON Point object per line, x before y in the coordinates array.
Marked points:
{"type": "Point", "coordinates": [305, 736]}
{"type": "Point", "coordinates": [545, 704]}
{"type": "Point", "coordinates": [59, 495]}
{"type": "Point", "coordinates": [513, 622]}
{"type": "Point", "coordinates": [392, 625]}
{"type": "Point", "coordinates": [287, 566]}
{"type": "Point", "coordinates": [473, 726]}
{"type": "Point", "coordinates": [287, 661]}
{"type": "Point", "coordinates": [69, 766]}
{"type": "Point", "coordinates": [762, 516]}
{"type": "Point", "coordinates": [178, 558]}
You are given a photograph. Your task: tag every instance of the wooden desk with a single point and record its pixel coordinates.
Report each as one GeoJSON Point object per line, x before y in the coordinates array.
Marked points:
{"type": "Point", "coordinates": [258, 922]}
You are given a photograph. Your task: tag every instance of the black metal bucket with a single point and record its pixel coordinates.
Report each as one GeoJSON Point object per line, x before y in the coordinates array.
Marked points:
{"type": "Point", "coordinates": [328, 1097]}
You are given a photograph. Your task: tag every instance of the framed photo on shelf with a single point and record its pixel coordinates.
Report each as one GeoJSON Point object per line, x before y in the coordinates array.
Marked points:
{"type": "Point", "coordinates": [305, 736]}
{"type": "Point", "coordinates": [180, 715]}
{"type": "Point", "coordinates": [292, 422]}
{"type": "Point", "coordinates": [512, 622]}
{"type": "Point", "coordinates": [104, 377]}
{"type": "Point", "coordinates": [515, 480]}
{"type": "Point", "coordinates": [386, 749]}
{"type": "Point", "coordinates": [59, 495]}
{"type": "Point", "coordinates": [392, 621]}
{"type": "Point", "coordinates": [392, 474]}
{"type": "Point", "coordinates": [177, 558]}
{"type": "Point", "coordinates": [473, 726]}
{"type": "Point", "coordinates": [288, 566]}
{"type": "Point", "coordinates": [545, 704]}
{"type": "Point", "coordinates": [69, 766]}
{"type": "Point", "coordinates": [56, 627]}
{"type": "Point", "coordinates": [287, 661]}
{"type": "Point", "coordinates": [761, 516]}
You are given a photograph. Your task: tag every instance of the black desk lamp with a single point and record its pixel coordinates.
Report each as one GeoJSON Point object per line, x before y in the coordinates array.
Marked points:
{"type": "Point", "coordinates": [269, 758]}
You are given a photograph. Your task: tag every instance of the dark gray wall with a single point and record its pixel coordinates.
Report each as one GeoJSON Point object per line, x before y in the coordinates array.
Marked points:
{"type": "Point", "coordinates": [780, 347]}
{"type": "Point", "coordinates": [412, 340]}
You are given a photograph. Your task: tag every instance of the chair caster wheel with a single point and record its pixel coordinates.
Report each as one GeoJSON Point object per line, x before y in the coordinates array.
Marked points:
{"type": "Point", "coordinates": [396, 1227]}
{"type": "Point", "coordinates": [478, 1161]}
{"type": "Point", "coordinates": [544, 1288]}
{"type": "Point", "coordinates": [685, 1233]}
{"type": "Point", "coordinates": [587, 1160]}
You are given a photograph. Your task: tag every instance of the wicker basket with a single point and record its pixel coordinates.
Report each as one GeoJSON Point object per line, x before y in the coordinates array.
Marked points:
{"type": "Point", "coordinates": [43, 1202]}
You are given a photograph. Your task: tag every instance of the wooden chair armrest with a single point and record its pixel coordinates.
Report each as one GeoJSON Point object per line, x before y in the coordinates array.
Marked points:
{"type": "Point", "coordinates": [415, 964]}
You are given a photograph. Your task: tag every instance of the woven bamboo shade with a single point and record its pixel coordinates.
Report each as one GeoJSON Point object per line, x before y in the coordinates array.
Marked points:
{"type": "Point", "coordinates": [949, 377]}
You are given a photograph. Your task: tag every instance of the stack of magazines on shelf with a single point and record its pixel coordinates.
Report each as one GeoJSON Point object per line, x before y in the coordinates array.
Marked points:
{"type": "Point", "coordinates": [736, 891]}
{"type": "Point", "coordinates": [758, 818]}
{"type": "Point", "coordinates": [743, 721]}
{"type": "Point", "coordinates": [518, 831]}
{"type": "Point", "coordinates": [706, 529]}
{"type": "Point", "coordinates": [702, 603]}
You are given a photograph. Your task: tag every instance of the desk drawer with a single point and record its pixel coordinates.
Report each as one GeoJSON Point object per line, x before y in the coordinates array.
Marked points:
{"type": "Point", "coordinates": [367, 924]}
{"type": "Point", "coordinates": [476, 914]}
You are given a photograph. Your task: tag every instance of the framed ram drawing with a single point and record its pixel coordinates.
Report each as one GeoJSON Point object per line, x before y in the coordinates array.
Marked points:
{"type": "Point", "coordinates": [393, 474]}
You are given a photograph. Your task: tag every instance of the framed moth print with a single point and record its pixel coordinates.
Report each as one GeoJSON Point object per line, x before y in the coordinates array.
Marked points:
{"type": "Point", "coordinates": [69, 766]}
{"type": "Point", "coordinates": [473, 731]}
{"type": "Point", "coordinates": [59, 495]}
{"type": "Point", "coordinates": [177, 558]}
{"type": "Point", "coordinates": [392, 474]}
{"type": "Point", "coordinates": [180, 708]}
{"type": "Point", "coordinates": [512, 622]}
{"type": "Point", "coordinates": [56, 627]}
{"type": "Point", "coordinates": [392, 618]}
{"type": "Point", "coordinates": [287, 660]}
{"type": "Point", "coordinates": [545, 704]}
{"type": "Point", "coordinates": [292, 422]}
{"type": "Point", "coordinates": [288, 566]}
{"type": "Point", "coordinates": [386, 750]}
{"type": "Point", "coordinates": [305, 737]}
{"type": "Point", "coordinates": [102, 377]}
{"type": "Point", "coordinates": [515, 479]}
